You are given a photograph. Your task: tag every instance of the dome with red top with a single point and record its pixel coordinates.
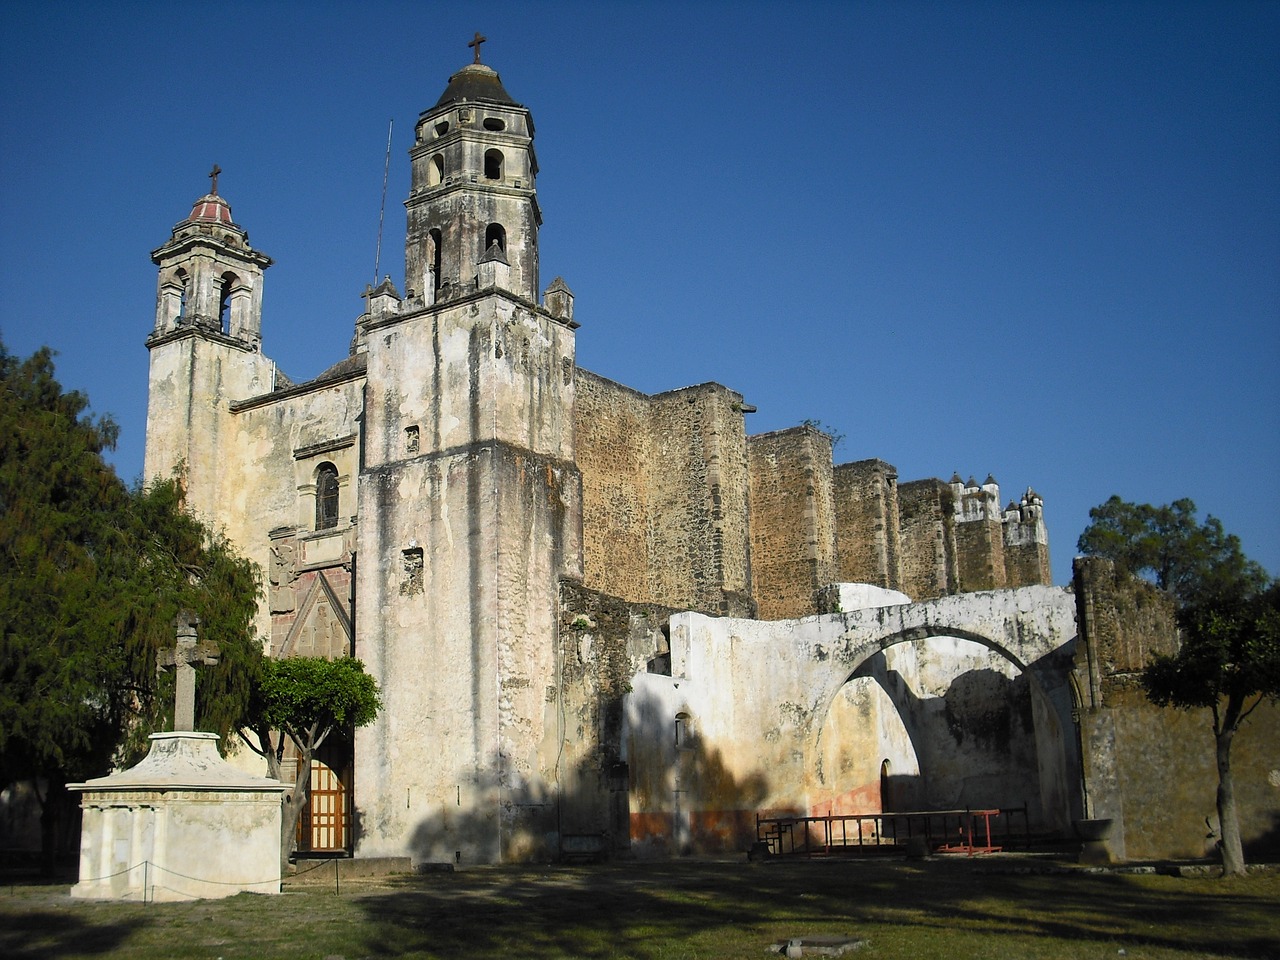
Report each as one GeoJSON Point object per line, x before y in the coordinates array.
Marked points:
{"type": "Point", "coordinates": [211, 208]}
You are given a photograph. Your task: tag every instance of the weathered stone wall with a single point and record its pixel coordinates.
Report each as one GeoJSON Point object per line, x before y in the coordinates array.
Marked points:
{"type": "Point", "coordinates": [603, 642]}
{"type": "Point", "coordinates": [1026, 562]}
{"type": "Point", "coordinates": [980, 555]}
{"type": "Point", "coordinates": [793, 525]}
{"type": "Point", "coordinates": [463, 540]}
{"type": "Point", "coordinates": [249, 454]}
{"type": "Point", "coordinates": [698, 497]}
{"type": "Point", "coordinates": [928, 538]}
{"type": "Point", "coordinates": [865, 494]}
{"type": "Point", "coordinates": [612, 430]}
{"type": "Point", "coordinates": [664, 495]}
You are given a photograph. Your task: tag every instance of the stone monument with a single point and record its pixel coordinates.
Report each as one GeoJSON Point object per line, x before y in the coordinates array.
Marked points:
{"type": "Point", "coordinates": [183, 824]}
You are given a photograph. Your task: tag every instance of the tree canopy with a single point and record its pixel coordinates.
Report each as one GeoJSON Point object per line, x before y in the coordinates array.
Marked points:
{"type": "Point", "coordinates": [1168, 545]}
{"type": "Point", "coordinates": [92, 576]}
{"type": "Point", "coordinates": [308, 699]}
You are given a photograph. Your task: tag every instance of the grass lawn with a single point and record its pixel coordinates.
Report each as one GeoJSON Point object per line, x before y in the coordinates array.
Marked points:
{"type": "Point", "coordinates": [949, 909]}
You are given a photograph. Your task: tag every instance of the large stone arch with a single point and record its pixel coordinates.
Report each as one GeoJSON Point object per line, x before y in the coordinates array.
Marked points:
{"type": "Point", "coordinates": [763, 690]}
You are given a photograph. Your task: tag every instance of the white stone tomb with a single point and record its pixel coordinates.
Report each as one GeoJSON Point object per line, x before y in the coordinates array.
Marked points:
{"type": "Point", "coordinates": [183, 824]}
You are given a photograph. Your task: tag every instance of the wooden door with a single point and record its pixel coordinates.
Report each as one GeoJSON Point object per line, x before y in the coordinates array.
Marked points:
{"type": "Point", "coordinates": [325, 825]}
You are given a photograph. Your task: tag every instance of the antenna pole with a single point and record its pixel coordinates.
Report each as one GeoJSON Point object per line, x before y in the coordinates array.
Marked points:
{"type": "Point", "coordinates": [382, 208]}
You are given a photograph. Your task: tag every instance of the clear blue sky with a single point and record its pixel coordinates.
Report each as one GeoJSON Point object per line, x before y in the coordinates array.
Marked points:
{"type": "Point", "coordinates": [1039, 240]}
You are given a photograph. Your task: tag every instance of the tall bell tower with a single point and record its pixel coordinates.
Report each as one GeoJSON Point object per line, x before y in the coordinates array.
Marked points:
{"type": "Point", "coordinates": [469, 503]}
{"type": "Point", "coordinates": [471, 197]}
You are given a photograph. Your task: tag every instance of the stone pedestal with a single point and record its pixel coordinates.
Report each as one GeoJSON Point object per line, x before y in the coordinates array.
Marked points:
{"type": "Point", "coordinates": [1095, 834]}
{"type": "Point", "coordinates": [183, 824]}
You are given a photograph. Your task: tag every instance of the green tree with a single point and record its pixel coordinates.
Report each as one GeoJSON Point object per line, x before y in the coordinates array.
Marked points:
{"type": "Point", "coordinates": [307, 699]}
{"type": "Point", "coordinates": [91, 577]}
{"type": "Point", "coordinates": [1228, 658]}
{"type": "Point", "coordinates": [1228, 663]}
{"type": "Point", "coordinates": [1167, 544]}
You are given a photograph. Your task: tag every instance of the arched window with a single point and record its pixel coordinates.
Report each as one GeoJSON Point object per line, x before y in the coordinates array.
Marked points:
{"type": "Point", "coordinates": [183, 281]}
{"type": "Point", "coordinates": [435, 170]}
{"type": "Point", "coordinates": [494, 233]}
{"type": "Point", "coordinates": [684, 732]}
{"type": "Point", "coordinates": [224, 301]}
{"type": "Point", "coordinates": [493, 164]}
{"type": "Point", "coordinates": [326, 496]}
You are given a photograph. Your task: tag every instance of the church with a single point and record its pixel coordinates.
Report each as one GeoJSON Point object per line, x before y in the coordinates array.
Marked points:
{"type": "Point", "coordinates": [602, 621]}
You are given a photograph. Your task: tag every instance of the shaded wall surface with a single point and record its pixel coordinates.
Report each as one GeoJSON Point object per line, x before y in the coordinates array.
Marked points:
{"type": "Point", "coordinates": [1149, 768]}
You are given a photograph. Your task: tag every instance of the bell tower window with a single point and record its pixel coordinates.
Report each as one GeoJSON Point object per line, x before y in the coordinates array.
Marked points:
{"type": "Point", "coordinates": [224, 301]}
{"type": "Point", "coordinates": [435, 171]}
{"type": "Point", "coordinates": [436, 238]}
{"type": "Point", "coordinates": [493, 164]}
{"type": "Point", "coordinates": [494, 233]}
{"type": "Point", "coordinates": [326, 496]}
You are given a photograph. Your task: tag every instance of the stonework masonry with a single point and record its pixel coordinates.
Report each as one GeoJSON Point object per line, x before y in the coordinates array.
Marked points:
{"type": "Point", "coordinates": [605, 621]}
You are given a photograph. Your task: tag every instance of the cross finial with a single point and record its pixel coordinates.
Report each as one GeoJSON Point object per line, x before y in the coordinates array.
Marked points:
{"type": "Point", "coordinates": [213, 175]}
{"type": "Point", "coordinates": [476, 43]}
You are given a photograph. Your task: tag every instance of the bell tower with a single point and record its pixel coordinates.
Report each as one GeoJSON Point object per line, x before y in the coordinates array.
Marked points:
{"type": "Point", "coordinates": [469, 502]}
{"type": "Point", "coordinates": [210, 278]}
{"type": "Point", "coordinates": [473, 213]}
{"type": "Point", "coordinates": [205, 347]}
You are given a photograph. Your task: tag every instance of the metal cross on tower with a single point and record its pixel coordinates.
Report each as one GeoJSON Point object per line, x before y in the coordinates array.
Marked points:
{"type": "Point", "coordinates": [476, 43]}
{"type": "Point", "coordinates": [213, 175]}
{"type": "Point", "coordinates": [182, 658]}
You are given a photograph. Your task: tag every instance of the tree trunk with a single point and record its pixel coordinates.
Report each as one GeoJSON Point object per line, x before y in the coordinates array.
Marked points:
{"type": "Point", "coordinates": [1228, 820]}
{"type": "Point", "coordinates": [291, 811]}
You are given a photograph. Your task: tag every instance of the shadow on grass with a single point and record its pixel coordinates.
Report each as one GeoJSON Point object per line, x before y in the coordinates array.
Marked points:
{"type": "Point", "coordinates": [54, 933]}
{"type": "Point", "coordinates": [642, 910]}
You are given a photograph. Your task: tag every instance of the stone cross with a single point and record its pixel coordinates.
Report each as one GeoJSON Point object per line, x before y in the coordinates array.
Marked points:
{"type": "Point", "coordinates": [182, 658]}
{"type": "Point", "coordinates": [213, 175]}
{"type": "Point", "coordinates": [476, 43]}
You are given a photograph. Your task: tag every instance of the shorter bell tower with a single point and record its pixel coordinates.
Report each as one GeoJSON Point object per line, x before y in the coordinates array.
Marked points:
{"type": "Point", "coordinates": [205, 349]}
{"type": "Point", "coordinates": [210, 278]}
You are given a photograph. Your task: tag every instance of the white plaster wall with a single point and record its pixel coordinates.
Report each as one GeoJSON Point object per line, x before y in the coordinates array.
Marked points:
{"type": "Point", "coordinates": [764, 692]}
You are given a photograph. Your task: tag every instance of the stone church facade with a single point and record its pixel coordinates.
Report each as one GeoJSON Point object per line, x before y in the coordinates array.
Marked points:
{"type": "Point", "coordinates": [515, 546]}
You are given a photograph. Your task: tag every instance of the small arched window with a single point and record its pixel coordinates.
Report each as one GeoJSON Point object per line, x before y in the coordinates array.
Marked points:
{"type": "Point", "coordinates": [435, 170]}
{"type": "Point", "coordinates": [493, 164]}
{"type": "Point", "coordinates": [326, 496]}
{"type": "Point", "coordinates": [224, 301]}
{"type": "Point", "coordinates": [495, 233]}
{"type": "Point", "coordinates": [180, 276]}
{"type": "Point", "coordinates": [684, 732]}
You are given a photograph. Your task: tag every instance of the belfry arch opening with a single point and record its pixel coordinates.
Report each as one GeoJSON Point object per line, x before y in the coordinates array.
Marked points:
{"type": "Point", "coordinates": [184, 283]}
{"type": "Point", "coordinates": [225, 288]}
{"type": "Point", "coordinates": [495, 233]}
{"type": "Point", "coordinates": [435, 238]}
{"type": "Point", "coordinates": [493, 162]}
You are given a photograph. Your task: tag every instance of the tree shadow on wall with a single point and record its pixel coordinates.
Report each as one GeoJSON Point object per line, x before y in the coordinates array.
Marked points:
{"type": "Point", "coordinates": [676, 795]}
